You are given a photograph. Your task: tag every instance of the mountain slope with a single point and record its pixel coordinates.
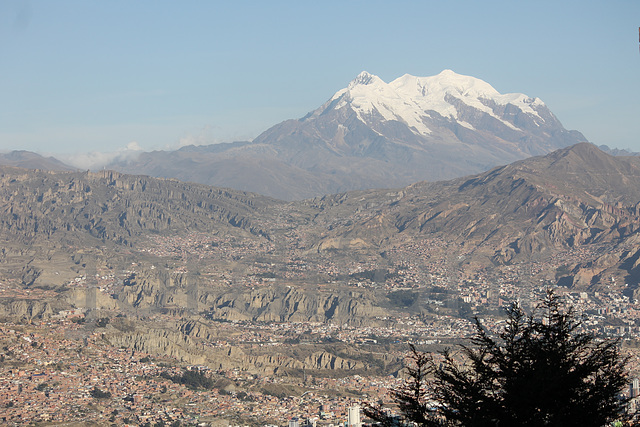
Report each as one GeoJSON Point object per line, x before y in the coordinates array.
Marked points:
{"type": "Point", "coordinates": [117, 208]}
{"type": "Point", "coordinates": [29, 160]}
{"type": "Point", "coordinates": [376, 135]}
{"type": "Point", "coordinates": [47, 219]}
{"type": "Point", "coordinates": [575, 199]}
{"type": "Point", "coordinates": [572, 215]}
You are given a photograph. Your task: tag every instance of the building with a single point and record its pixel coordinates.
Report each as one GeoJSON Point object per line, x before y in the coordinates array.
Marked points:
{"type": "Point", "coordinates": [353, 416]}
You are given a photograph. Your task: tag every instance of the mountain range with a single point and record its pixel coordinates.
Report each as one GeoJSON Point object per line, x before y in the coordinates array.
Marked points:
{"type": "Point", "coordinates": [373, 235]}
{"type": "Point", "coordinates": [528, 211]}
{"type": "Point", "coordinates": [373, 134]}
{"type": "Point", "coordinates": [135, 247]}
{"type": "Point", "coordinates": [30, 160]}
{"type": "Point", "coordinates": [573, 199]}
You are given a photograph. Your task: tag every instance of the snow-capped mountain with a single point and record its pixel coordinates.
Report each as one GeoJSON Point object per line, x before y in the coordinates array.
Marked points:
{"type": "Point", "coordinates": [415, 100]}
{"type": "Point", "coordinates": [373, 134]}
{"type": "Point", "coordinates": [450, 109]}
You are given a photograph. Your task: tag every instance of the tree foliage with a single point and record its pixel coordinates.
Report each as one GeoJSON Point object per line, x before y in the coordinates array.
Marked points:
{"type": "Point", "coordinates": [192, 379]}
{"type": "Point", "coordinates": [539, 370]}
{"type": "Point", "coordinates": [100, 394]}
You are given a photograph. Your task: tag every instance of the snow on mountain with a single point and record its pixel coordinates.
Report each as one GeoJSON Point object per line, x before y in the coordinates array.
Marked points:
{"type": "Point", "coordinates": [373, 134]}
{"type": "Point", "coordinates": [413, 100]}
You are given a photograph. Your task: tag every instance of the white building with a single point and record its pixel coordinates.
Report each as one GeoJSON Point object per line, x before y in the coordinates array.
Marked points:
{"type": "Point", "coordinates": [353, 418]}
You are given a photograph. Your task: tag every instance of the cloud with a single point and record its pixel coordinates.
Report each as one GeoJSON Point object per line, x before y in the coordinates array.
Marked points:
{"type": "Point", "coordinates": [97, 160]}
{"type": "Point", "coordinates": [206, 136]}
{"type": "Point", "coordinates": [133, 146]}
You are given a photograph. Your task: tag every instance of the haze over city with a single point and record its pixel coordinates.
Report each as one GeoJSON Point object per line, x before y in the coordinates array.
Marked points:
{"type": "Point", "coordinates": [106, 77]}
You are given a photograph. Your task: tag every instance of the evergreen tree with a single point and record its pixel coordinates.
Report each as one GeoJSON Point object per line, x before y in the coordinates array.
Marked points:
{"type": "Point", "coordinates": [540, 370]}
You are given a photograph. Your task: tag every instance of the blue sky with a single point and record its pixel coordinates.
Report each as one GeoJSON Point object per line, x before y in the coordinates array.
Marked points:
{"type": "Point", "coordinates": [80, 76]}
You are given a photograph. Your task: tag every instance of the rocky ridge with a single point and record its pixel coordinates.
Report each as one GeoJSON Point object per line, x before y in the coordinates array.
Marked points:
{"type": "Point", "coordinates": [575, 197]}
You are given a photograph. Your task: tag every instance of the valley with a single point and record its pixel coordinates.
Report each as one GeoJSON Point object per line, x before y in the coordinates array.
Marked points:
{"type": "Point", "coordinates": [273, 300]}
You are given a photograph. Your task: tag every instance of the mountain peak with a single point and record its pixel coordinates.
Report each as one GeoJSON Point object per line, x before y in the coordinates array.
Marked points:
{"type": "Point", "coordinates": [30, 160]}
{"type": "Point", "coordinates": [448, 72]}
{"type": "Point", "coordinates": [583, 156]}
{"type": "Point", "coordinates": [365, 78]}
{"type": "Point", "coordinates": [460, 85]}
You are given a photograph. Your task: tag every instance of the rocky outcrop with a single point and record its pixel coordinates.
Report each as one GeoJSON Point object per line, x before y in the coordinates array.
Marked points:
{"type": "Point", "coordinates": [26, 309]}
{"type": "Point", "coordinates": [268, 304]}
{"type": "Point", "coordinates": [159, 341]}
{"type": "Point", "coordinates": [188, 343]}
{"type": "Point", "coordinates": [289, 304]}
{"type": "Point", "coordinates": [159, 289]}
{"type": "Point", "coordinates": [117, 208]}
{"type": "Point", "coordinates": [324, 360]}
{"type": "Point", "coordinates": [91, 299]}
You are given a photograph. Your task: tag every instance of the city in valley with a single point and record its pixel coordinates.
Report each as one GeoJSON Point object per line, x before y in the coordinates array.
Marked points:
{"type": "Point", "coordinates": [215, 362]}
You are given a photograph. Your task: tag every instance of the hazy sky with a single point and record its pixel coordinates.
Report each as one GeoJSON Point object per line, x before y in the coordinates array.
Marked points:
{"type": "Point", "coordinates": [80, 76]}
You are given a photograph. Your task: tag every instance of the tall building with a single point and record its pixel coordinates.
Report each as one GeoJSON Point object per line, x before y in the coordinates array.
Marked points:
{"type": "Point", "coordinates": [353, 416]}
{"type": "Point", "coordinates": [634, 388]}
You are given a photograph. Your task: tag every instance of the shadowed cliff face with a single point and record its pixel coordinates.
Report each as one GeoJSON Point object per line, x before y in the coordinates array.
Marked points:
{"type": "Point", "coordinates": [293, 305]}
{"type": "Point", "coordinates": [275, 303]}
